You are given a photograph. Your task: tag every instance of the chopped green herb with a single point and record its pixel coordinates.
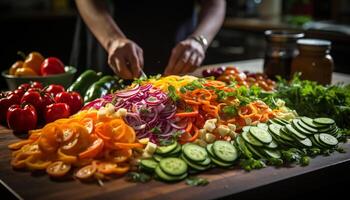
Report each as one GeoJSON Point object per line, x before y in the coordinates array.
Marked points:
{"type": "Point", "coordinates": [172, 93]}
{"type": "Point", "coordinates": [230, 110]}
{"type": "Point", "coordinates": [156, 130]}
{"type": "Point", "coordinates": [138, 177]}
{"type": "Point", "coordinates": [196, 181]}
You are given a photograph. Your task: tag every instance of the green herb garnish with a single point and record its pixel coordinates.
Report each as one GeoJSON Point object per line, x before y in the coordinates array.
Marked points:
{"type": "Point", "coordinates": [196, 181]}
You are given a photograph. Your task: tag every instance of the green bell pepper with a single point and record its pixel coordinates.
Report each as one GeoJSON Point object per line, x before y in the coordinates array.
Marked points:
{"type": "Point", "coordinates": [84, 81]}
{"type": "Point", "coordinates": [102, 87]}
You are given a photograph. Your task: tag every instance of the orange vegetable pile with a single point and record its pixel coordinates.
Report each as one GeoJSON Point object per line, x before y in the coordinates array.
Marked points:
{"type": "Point", "coordinates": [95, 144]}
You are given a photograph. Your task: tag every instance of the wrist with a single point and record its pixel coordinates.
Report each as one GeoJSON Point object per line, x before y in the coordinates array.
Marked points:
{"type": "Point", "coordinates": [112, 41]}
{"type": "Point", "coordinates": [201, 39]}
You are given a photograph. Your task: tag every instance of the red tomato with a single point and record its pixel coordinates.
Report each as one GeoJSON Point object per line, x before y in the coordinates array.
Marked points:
{"type": "Point", "coordinates": [24, 86]}
{"type": "Point", "coordinates": [19, 92]}
{"type": "Point", "coordinates": [51, 65]}
{"type": "Point", "coordinates": [54, 89]}
{"type": "Point", "coordinates": [73, 99]}
{"type": "Point", "coordinates": [22, 118]}
{"type": "Point", "coordinates": [6, 102]}
{"type": "Point", "coordinates": [56, 111]}
{"type": "Point", "coordinates": [36, 84]}
{"type": "Point", "coordinates": [34, 98]}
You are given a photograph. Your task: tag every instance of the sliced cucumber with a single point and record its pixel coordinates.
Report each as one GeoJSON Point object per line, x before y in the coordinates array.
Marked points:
{"type": "Point", "coordinates": [275, 129]}
{"type": "Point", "coordinates": [324, 121]}
{"type": "Point", "coordinates": [272, 145]}
{"type": "Point", "coordinates": [173, 166]}
{"type": "Point", "coordinates": [165, 177]}
{"type": "Point", "coordinates": [310, 122]}
{"type": "Point", "coordinates": [255, 152]}
{"type": "Point", "coordinates": [300, 129]}
{"type": "Point", "coordinates": [279, 121]}
{"type": "Point", "coordinates": [295, 132]}
{"type": "Point", "coordinates": [263, 126]}
{"type": "Point", "coordinates": [166, 149]}
{"type": "Point", "coordinates": [328, 139]}
{"type": "Point", "coordinates": [246, 128]}
{"type": "Point", "coordinates": [272, 153]}
{"type": "Point", "coordinates": [175, 151]}
{"type": "Point", "coordinates": [306, 142]}
{"type": "Point", "coordinates": [242, 147]}
{"type": "Point", "coordinates": [261, 135]}
{"type": "Point", "coordinates": [205, 162]}
{"type": "Point", "coordinates": [327, 129]}
{"type": "Point", "coordinates": [251, 140]}
{"type": "Point", "coordinates": [221, 163]}
{"type": "Point", "coordinates": [195, 152]}
{"type": "Point", "coordinates": [318, 141]}
{"type": "Point", "coordinates": [210, 150]}
{"type": "Point", "coordinates": [157, 157]}
{"type": "Point", "coordinates": [225, 151]}
{"type": "Point", "coordinates": [285, 136]}
{"type": "Point", "coordinates": [148, 164]}
{"type": "Point", "coordinates": [194, 165]}
{"type": "Point", "coordinates": [307, 127]}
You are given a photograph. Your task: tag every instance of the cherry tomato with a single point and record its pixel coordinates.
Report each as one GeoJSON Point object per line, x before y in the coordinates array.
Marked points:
{"type": "Point", "coordinates": [36, 84]}
{"type": "Point", "coordinates": [34, 98]}
{"type": "Point", "coordinates": [24, 86]}
{"type": "Point", "coordinates": [6, 102]}
{"type": "Point", "coordinates": [73, 99]}
{"type": "Point", "coordinates": [58, 169]}
{"type": "Point", "coordinates": [86, 172]}
{"type": "Point", "coordinates": [51, 65]}
{"type": "Point", "coordinates": [19, 92]}
{"type": "Point", "coordinates": [56, 111]}
{"type": "Point", "coordinates": [22, 118]}
{"type": "Point", "coordinates": [54, 89]}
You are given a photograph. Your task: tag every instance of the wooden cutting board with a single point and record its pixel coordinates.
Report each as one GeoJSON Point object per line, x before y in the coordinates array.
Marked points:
{"type": "Point", "coordinates": [222, 182]}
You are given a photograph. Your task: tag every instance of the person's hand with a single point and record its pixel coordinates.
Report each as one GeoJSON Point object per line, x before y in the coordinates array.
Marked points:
{"type": "Point", "coordinates": [185, 57]}
{"type": "Point", "coordinates": [125, 58]}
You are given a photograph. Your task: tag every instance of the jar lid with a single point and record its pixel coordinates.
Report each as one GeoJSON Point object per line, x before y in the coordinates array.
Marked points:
{"type": "Point", "coordinates": [283, 35]}
{"type": "Point", "coordinates": [314, 42]}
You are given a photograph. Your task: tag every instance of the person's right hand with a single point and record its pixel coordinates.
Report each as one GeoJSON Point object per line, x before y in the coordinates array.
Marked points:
{"type": "Point", "coordinates": [125, 58]}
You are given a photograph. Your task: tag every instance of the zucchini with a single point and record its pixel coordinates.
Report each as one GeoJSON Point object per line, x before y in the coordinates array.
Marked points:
{"type": "Point", "coordinates": [173, 166]}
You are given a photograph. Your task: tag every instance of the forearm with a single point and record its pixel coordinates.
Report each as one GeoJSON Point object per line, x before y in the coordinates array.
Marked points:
{"type": "Point", "coordinates": [96, 16]}
{"type": "Point", "coordinates": [211, 17]}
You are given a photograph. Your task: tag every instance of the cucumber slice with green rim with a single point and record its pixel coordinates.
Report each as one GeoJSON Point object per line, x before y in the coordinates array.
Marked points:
{"type": "Point", "coordinates": [272, 145]}
{"type": "Point", "coordinates": [242, 147]}
{"type": "Point", "coordinates": [284, 135]}
{"type": "Point", "coordinates": [320, 144]}
{"type": "Point", "coordinates": [306, 142]}
{"type": "Point", "coordinates": [251, 140]}
{"type": "Point", "coordinates": [295, 132]}
{"type": "Point", "coordinates": [210, 150]}
{"type": "Point", "coordinates": [221, 163]}
{"type": "Point", "coordinates": [275, 129]}
{"type": "Point", "coordinates": [284, 121]}
{"type": "Point", "coordinates": [278, 121]}
{"type": "Point", "coordinates": [175, 151]}
{"type": "Point", "coordinates": [300, 129]}
{"type": "Point", "coordinates": [205, 162]}
{"type": "Point", "coordinates": [324, 121]}
{"type": "Point", "coordinates": [254, 151]}
{"type": "Point", "coordinates": [165, 177]}
{"type": "Point", "coordinates": [157, 157]}
{"type": "Point", "coordinates": [194, 165]}
{"type": "Point", "coordinates": [149, 164]}
{"type": "Point", "coordinates": [225, 151]}
{"type": "Point", "coordinates": [173, 166]}
{"type": "Point", "coordinates": [307, 127]}
{"type": "Point", "coordinates": [272, 153]}
{"type": "Point", "coordinates": [166, 149]}
{"type": "Point", "coordinates": [246, 128]}
{"type": "Point", "coordinates": [263, 126]}
{"type": "Point", "coordinates": [195, 152]}
{"type": "Point", "coordinates": [261, 135]}
{"type": "Point", "coordinates": [315, 143]}
{"type": "Point", "coordinates": [327, 129]}
{"type": "Point", "coordinates": [310, 122]}
{"type": "Point", "coordinates": [327, 139]}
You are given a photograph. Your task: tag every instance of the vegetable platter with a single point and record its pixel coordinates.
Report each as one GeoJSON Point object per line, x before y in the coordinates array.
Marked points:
{"type": "Point", "coordinates": [182, 130]}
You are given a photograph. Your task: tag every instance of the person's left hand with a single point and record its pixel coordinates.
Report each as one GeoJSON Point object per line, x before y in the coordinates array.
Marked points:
{"type": "Point", "coordinates": [185, 57]}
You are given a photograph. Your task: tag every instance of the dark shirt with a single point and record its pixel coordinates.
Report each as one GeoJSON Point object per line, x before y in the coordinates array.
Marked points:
{"type": "Point", "coordinates": [155, 25]}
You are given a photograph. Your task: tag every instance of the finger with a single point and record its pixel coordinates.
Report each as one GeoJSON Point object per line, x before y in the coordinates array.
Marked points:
{"type": "Point", "coordinates": [188, 65]}
{"type": "Point", "coordinates": [176, 53]}
{"type": "Point", "coordinates": [140, 55]}
{"type": "Point", "coordinates": [182, 62]}
{"type": "Point", "coordinates": [134, 64]}
{"type": "Point", "coordinates": [124, 72]}
{"type": "Point", "coordinates": [197, 63]}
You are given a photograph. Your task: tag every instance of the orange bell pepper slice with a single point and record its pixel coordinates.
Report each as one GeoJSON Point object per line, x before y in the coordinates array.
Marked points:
{"type": "Point", "coordinates": [19, 144]}
{"type": "Point", "coordinates": [93, 150]}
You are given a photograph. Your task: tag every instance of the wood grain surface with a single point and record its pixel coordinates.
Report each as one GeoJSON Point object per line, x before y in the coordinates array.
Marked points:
{"type": "Point", "coordinates": [222, 182]}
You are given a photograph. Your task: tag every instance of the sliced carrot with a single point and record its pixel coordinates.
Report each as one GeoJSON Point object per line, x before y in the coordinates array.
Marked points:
{"type": "Point", "coordinates": [93, 150]}
{"type": "Point", "coordinates": [119, 145]}
{"type": "Point", "coordinates": [187, 114]}
{"type": "Point", "coordinates": [19, 144]}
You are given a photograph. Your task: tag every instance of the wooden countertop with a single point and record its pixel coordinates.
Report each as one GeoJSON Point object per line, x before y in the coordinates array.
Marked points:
{"type": "Point", "coordinates": [256, 65]}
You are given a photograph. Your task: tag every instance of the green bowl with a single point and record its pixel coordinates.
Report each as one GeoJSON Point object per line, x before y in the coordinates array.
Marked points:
{"type": "Point", "coordinates": [64, 79]}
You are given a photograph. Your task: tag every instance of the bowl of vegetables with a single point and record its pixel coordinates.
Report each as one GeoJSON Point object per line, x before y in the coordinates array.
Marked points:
{"type": "Point", "coordinates": [35, 67]}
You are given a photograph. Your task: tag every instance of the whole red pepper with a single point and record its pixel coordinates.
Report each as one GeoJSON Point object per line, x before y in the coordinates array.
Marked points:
{"type": "Point", "coordinates": [34, 98]}
{"type": "Point", "coordinates": [73, 99]}
{"type": "Point", "coordinates": [56, 111]}
{"type": "Point", "coordinates": [22, 118]}
{"type": "Point", "coordinates": [51, 65]}
{"type": "Point", "coordinates": [5, 102]}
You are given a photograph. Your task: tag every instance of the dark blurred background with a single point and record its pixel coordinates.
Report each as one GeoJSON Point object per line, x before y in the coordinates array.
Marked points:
{"type": "Point", "coordinates": [48, 26]}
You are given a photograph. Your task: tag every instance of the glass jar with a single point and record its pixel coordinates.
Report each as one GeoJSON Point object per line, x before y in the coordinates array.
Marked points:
{"type": "Point", "coordinates": [280, 51]}
{"type": "Point", "coordinates": [314, 61]}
